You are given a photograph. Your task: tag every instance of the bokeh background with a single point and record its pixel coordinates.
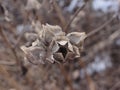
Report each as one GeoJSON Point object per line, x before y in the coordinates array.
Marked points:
{"type": "Point", "coordinates": [99, 66]}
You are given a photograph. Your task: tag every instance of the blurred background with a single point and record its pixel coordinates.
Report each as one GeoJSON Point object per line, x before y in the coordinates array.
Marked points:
{"type": "Point", "coordinates": [99, 66]}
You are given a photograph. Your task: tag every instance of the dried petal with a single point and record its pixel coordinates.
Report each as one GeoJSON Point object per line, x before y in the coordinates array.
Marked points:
{"type": "Point", "coordinates": [58, 57]}
{"type": "Point", "coordinates": [34, 54]}
{"type": "Point", "coordinates": [76, 37]}
{"type": "Point", "coordinates": [49, 32]}
{"type": "Point", "coordinates": [69, 56]}
{"type": "Point", "coordinates": [56, 30]}
{"type": "Point", "coordinates": [76, 51]}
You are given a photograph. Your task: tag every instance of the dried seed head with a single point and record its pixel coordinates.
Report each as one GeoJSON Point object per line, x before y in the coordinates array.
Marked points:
{"type": "Point", "coordinates": [51, 44]}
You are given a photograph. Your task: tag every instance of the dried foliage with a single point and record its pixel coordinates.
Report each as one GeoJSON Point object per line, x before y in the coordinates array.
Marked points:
{"type": "Point", "coordinates": [82, 39]}
{"type": "Point", "coordinates": [52, 44]}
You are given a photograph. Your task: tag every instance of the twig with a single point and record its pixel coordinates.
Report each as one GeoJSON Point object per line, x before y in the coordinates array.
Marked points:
{"type": "Point", "coordinates": [102, 26]}
{"type": "Point", "coordinates": [76, 13]}
{"type": "Point", "coordinates": [9, 79]}
{"type": "Point", "coordinates": [59, 13]}
{"type": "Point", "coordinates": [18, 41]}
{"type": "Point", "coordinates": [66, 76]}
{"type": "Point", "coordinates": [115, 86]}
{"type": "Point", "coordinates": [10, 46]}
{"type": "Point", "coordinates": [101, 45]}
{"type": "Point", "coordinates": [91, 83]}
{"type": "Point", "coordinates": [3, 62]}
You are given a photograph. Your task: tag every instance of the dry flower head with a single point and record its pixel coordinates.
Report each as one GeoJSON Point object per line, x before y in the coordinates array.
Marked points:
{"type": "Point", "coordinates": [50, 43]}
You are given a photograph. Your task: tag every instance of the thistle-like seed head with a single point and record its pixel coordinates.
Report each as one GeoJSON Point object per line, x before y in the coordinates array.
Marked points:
{"type": "Point", "coordinates": [51, 44]}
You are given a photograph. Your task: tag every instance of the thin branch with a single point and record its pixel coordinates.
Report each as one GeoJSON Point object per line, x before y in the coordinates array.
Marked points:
{"type": "Point", "coordinates": [11, 81]}
{"type": "Point", "coordinates": [66, 76]}
{"type": "Point", "coordinates": [3, 62]}
{"type": "Point", "coordinates": [59, 13]}
{"type": "Point", "coordinates": [115, 86]}
{"type": "Point", "coordinates": [18, 41]}
{"type": "Point", "coordinates": [8, 44]}
{"type": "Point", "coordinates": [101, 45]}
{"type": "Point", "coordinates": [76, 13]}
{"type": "Point", "coordinates": [102, 26]}
{"type": "Point", "coordinates": [91, 83]}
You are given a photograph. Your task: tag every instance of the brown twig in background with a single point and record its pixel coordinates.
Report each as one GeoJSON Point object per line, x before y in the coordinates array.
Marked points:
{"type": "Point", "coordinates": [102, 26]}
{"type": "Point", "coordinates": [66, 76]}
{"type": "Point", "coordinates": [59, 13]}
{"type": "Point", "coordinates": [101, 45]}
{"type": "Point", "coordinates": [115, 86]}
{"type": "Point", "coordinates": [76, 13]}
{"type": "Point", "coordinates": [18, 41]}
{"type": "Point", "coordinates": [8, 44]}
{"type": "Point", "coordinates": [9, 79]}
{"type": "Point", "coordinates": [3, 62]}
{"type": "Point", "coordinates": [91, 83]}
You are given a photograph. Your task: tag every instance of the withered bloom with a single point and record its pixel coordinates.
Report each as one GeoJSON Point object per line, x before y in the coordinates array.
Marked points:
{"type": "Point", "coordinates": [50, 43]}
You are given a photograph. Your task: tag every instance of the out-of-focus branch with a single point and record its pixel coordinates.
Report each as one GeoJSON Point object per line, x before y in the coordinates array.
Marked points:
{"type": "Point", "coordinates": [8, 44]}
{"type": "Point", "coordinates": [91, 84]}
{"type": "Point", "coordinates": [101, 45]}
{"type": "Point", "coordinates": [66, 76]}
{"type": "Point", "coordinates": [9, 79]}
{"type": "Point", "coordinates": [71, 20]}
{"type": "Point", "coordinates": [3, 62]}
{"type": "Point", "coordinates": [102, 26]}
{"type": "Point", "coordinates": [59, 13]}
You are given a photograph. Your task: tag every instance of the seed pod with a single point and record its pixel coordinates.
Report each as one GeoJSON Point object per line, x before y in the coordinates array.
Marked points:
{"type": "Point", "coordinates": [51, 44]}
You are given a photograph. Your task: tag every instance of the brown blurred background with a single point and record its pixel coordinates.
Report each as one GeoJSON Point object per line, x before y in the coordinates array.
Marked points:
{"type": "Point", "coordinates": [99, 66]}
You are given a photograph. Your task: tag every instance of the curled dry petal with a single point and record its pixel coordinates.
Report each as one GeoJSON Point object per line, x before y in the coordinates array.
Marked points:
{"type": "Point", "coordinates": [49, 32]}
{"type": "Point", "coordinates": [76, 37]}
{"type": "Point", "coordinates": [34, 54]}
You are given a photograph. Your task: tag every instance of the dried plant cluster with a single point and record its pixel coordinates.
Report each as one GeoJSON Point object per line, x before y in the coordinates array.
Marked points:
{"type": "Point", "coordinates": [45, 45]}
{"type": "Point", "coordinates": [51, 44]}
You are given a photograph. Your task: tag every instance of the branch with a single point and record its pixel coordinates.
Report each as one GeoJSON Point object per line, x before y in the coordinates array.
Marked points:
{"type": "Point", "coordinates": [76, 13]}
{"type": "Point", "coordinates": [8, 44]}
{"type": "Point", "coordinates": [102, 26]}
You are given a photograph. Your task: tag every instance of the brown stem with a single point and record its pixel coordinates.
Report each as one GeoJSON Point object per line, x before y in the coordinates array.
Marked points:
{"type": "Point", "coordinates": [102, 26]}
{"type": "Point", "coordinates": [9, 79]}
{"type": "Point", "coordinates": [66, 76]}
{"type": "Point", "coordinates": [3, 62]}
{"type": "Point", "coordinates": [59, 13]}
{"type": "Point", "coordinates": [76, 13]}
{"type": "Point", "coordinates": [8, 44]}
{"type": "Point", "coordinates": [91, 83]}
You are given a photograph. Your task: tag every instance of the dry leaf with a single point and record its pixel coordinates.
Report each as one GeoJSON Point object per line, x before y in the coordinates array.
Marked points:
{"type": "Point", "coordinates": [76, 37]}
